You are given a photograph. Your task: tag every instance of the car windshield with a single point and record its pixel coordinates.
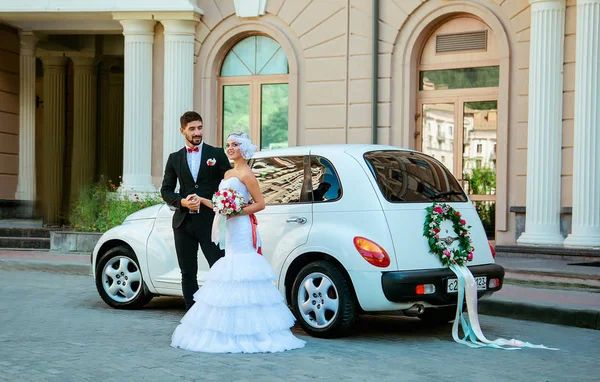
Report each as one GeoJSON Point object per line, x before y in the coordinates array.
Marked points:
{"type": "Point", "coordinates": [412, 177]}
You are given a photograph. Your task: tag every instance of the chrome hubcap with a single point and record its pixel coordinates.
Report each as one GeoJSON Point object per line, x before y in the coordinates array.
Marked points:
{"type": "Point", "coordinates": [121, 279]}
{"type": "Point", "coordinates": [318, 300]}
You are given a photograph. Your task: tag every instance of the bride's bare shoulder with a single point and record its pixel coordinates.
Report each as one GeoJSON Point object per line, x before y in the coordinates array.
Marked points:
{"type": "Point", "coordinates": [228, 174]}
{"type": "Point", "coordinates": [246, 175]}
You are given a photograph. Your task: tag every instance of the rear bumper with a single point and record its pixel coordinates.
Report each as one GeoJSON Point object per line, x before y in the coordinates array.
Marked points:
{"type": "Point", "coordinates": [400, 286]}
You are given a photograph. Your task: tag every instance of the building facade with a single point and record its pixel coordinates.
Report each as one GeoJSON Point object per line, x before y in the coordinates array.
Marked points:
{"type": "Point", "coordinates": [505, 93]}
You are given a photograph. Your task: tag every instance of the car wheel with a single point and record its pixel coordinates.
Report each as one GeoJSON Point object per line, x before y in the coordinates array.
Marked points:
{"type": "Point", "coordinates": [438, 315]}
{"type": "Point", "coordinates": [323, 300]}
{"type": "Point", "coordinates": [119, 279]}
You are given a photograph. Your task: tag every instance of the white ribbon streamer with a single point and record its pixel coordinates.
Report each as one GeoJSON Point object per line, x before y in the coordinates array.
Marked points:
{"type": "Point", "coordinates": [467, 289]}
{"type": "Point", "coordinates": [218, 232]}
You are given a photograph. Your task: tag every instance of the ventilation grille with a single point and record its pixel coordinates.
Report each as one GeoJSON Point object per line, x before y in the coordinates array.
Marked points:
{"type": "Point", "coordinates": [460, 42]}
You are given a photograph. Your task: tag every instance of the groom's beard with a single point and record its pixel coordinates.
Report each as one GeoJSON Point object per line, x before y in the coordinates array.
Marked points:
{"type": "Point", "coordinates": [195, 141]}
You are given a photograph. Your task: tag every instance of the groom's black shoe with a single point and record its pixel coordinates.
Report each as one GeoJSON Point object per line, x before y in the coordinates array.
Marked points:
{"type": "Point", "coordinates": [188, 306]}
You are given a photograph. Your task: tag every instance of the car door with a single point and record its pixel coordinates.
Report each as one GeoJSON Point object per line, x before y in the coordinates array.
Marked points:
{"type": "Point", "coordinates": [162, 257]}
{"type": "Point", "coordinates": [285, 222]}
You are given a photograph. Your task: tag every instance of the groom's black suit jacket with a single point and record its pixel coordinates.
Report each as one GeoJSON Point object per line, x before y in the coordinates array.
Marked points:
{"type": "Point", "coordinates": [206, 185]}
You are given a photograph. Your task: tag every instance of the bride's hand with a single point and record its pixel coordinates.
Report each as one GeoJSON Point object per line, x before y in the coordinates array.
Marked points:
{"type": "Point", "coordinates": [233, 216]}
{"type": "Point", "coordinates": [206, 202]}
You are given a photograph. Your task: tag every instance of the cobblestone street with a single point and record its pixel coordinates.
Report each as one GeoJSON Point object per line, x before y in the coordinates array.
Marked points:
{"type": "Point", "coordinates": [55, 327]}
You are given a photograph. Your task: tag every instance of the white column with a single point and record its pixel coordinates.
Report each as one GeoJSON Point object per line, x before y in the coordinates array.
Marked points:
{"type": "Point", "coordinates": [542, 224]}
{"type": "Point", "coordinates": [83, 164]}
{"type": "Point", "coordinates": [26, 180]}
{"type": "Point", "coordinates": [586, 155]}
{"type": "Point", "coordinates": [55, 71]}
{"type": "Point", "coordinates": [137, 129]}
{"type": "Point", "coordinates": [178, 80]}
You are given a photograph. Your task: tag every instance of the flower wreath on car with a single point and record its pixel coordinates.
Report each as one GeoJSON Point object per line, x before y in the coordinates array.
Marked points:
{"type": "Point", "coordinates": [456, 259]}
{"type": "Point", "coordinates": [436, 214]}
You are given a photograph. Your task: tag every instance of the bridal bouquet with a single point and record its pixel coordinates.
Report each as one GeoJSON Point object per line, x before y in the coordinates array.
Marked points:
{"type": "Point", "coordinates": [228, 202]}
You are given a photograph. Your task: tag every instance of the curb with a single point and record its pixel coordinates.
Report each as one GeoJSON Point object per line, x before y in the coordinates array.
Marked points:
{"type": "Point", "coordinates": [560, 315]}
{"type": "Point", "coordinates": [46, 266]}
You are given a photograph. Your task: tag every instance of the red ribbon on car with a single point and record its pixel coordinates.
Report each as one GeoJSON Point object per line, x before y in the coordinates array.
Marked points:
{"type": "Point", "coordinates": [254, 222]}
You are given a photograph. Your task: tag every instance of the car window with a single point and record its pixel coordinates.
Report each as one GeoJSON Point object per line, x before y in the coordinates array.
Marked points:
{"type": "Point", "coordinates": [281, 179]}
{"type": "Point", "coordinates": [324, 180]}
{"type": "Point", "coordinates": [405, 176]}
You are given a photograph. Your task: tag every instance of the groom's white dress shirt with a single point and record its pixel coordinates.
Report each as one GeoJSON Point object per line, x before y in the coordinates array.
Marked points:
{"type": "Point", "coordinates": [193, 160]}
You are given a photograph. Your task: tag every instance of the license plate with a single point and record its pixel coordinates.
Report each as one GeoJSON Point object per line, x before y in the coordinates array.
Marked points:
{"type": "Point", "coordinates": [481, 282]}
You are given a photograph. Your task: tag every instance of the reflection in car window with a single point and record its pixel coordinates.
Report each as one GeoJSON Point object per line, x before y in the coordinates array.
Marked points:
{"type": "Point", "coordinates": [405, 176]}
{"type": "Point", "coordinates": [280, 178]}
{"type": "Point", "coordinates": [325, 182]}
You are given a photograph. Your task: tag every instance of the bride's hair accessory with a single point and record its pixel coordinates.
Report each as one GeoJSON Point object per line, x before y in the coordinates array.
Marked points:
{"type": "Point", "coordinates": [246, 147]}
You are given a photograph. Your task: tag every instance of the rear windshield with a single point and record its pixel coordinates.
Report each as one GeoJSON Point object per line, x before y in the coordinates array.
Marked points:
{"type": "Point", "coordinates": [411, 177]}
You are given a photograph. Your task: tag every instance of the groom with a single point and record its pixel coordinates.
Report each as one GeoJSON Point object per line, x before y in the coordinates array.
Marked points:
{"type": "Point", "coordinates": [199, 168]}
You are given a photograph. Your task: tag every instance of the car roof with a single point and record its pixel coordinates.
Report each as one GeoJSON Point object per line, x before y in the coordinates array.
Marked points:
{"type": "Point", "coordinates": [351, 149]}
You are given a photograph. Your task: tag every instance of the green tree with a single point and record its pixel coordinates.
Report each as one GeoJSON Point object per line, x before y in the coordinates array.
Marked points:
{"type": "Point", "coordinates": [482, 180]}
{"type": "Point", "coordinates": [274, 116]}
{"type": "Point", "coordinates": [463, 78]}
{"type": "Point", "coordinates": [236, 109]}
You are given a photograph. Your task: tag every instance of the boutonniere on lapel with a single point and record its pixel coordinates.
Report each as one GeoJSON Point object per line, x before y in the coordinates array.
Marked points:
{"type": "Point", "coordinates": [211, 162]}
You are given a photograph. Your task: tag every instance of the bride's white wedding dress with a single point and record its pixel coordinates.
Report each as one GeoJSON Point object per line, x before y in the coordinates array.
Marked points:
{"type": "Point", "coordinates": [238, 309]}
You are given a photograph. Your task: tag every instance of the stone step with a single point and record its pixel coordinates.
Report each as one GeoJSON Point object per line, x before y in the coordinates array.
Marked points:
{"type": "Point", "coordinates": [25, 232]}
{"type": "Point", "coordinates": [25, 242]}
{"type": "Point", "coordinates": [551, 272]}
{"type": "Point", "coordinates": [540, 252]}
{"type": "Point", "coordinates": [18, 209]}
{"type": "Point", "coordinates": [21, 223]}
{"type": "Point", "coordinates": [552, 280]}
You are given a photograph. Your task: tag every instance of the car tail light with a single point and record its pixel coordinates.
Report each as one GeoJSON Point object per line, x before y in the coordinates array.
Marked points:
{"type": "Point", "coordinates": [493, 250]}
{"type": "Point", "coordinates": [494, 283]}
{"type": "Point", "coordinates": [371, 252]}
{"type": "Point", "coordinates": [425, 289]}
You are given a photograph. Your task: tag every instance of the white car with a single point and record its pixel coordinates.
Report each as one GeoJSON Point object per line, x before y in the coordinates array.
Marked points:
{"type": "Point", "coordinates": [343, 230]}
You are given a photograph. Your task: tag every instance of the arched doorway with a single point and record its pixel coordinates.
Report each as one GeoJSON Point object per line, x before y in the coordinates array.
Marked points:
{"type": "Point", "coordinates": [254, 92]}
{"type": "Point", "coordinates": [457, 111]}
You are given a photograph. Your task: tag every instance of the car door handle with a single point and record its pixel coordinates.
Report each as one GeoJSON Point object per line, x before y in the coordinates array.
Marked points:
{"type": "Point", "coordinates": [296, 220]}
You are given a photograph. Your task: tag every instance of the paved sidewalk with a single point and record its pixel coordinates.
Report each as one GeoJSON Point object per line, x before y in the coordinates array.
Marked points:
{"type": "Point", "coordinates": [580, 308]}
{"type": "Point", "coordinates": [39, 260]}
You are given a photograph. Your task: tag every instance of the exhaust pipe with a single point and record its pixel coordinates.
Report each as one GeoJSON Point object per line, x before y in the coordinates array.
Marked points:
{"type": "Point", "coordinates": [415, 310]}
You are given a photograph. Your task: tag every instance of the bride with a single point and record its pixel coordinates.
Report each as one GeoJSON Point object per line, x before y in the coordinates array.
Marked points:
{"type": "Point", "coordinates": [238, 309]}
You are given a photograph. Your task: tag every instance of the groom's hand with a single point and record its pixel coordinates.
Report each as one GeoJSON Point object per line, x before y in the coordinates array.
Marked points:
{"type": "Point", "coordinates": [191, 202]}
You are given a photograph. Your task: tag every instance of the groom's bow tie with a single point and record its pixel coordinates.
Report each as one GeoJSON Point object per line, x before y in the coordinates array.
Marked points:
{"type": "Point", "coordinates": [192, 149]}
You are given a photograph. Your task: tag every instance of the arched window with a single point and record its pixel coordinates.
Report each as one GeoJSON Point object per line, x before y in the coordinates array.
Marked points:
{"type": "Point", "coordinates": [253, 92]}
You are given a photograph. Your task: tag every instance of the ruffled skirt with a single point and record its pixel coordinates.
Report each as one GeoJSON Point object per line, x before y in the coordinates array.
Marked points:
{"type": "Point", "coordinates": [238, 309]}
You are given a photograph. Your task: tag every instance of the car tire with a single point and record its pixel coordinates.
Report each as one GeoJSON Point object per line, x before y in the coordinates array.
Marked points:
{"type": "Point", "coordinates": [119, 279]}
{"type": "Point", "coordinates": [323, 300]}
{"type": "Point", "coordinates": [439, 316]}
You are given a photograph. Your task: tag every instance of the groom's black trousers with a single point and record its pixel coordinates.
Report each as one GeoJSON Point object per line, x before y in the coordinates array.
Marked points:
{"type": "Point", "coordinates": [195, 228]}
